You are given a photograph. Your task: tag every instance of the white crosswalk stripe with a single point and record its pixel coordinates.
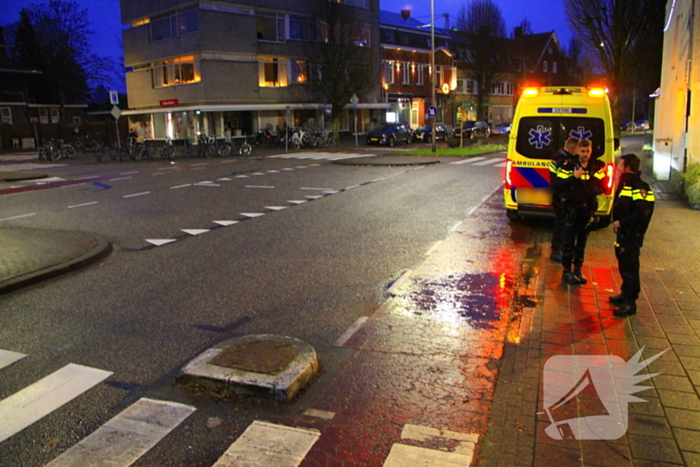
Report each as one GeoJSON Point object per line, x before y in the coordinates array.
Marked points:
{"type": "Point", "coordinates": [126, 437]}
{"type": "Point", "coordinates": [490, 161]}
{"type": "Point", "coordinates": [34, 402]}
{"type": "Point", "coordinates": [331, 156]}
{"type": "Point", "coordinates": [468, 161]}
{"type": "Point", "coordinates": [8, 357]}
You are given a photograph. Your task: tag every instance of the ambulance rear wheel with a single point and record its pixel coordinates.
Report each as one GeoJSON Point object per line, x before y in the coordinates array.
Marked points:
{"type": "Point", "coordinates": [513, 214]}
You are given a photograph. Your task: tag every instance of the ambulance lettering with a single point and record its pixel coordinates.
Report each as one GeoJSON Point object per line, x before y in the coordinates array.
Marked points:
{"type": "Point", "coordinates": [540, 137]}
{"type": "Point", "coordinates": [581, 133]}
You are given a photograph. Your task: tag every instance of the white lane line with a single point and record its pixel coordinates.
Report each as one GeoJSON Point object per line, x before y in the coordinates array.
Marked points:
{"type": "Point", "coordinates": [159, 173]}
{"type": "Point", "coordinates": [225, 223]}
{"type": "Point", "coordinates": [319, 414]}
{"type": "Point", "coordinates": [83, 204]}
{"type": "Point", "coordinates": [206, 184]}
{"type": "Point", "coordinates": [297, 201]}
{"type": "Point", "coordinates": [288, 169]}
{"type": "Point", "coordinates": [352, 187]}
{"type": "Point", "coordinates": [129, 173]}
{"type": "Point", "coordinates": [490, 161]}
{"type": "Point", "coordinates": [252, 215]}
{"type": "Point", "coordinates": [273, 171]}
{"type": "Point", "coordinates": [331, 192]}
{"type": "Point", "coordinates": [194, 232]}
{"type": "Point", "coordinates": [126, 437]}
{"type": "Point", "coordinates": [456, 226]}
{"type": "Point", "coordinates": [351, 331]}
{"type": "Point", "coordinates": [267, 187]}
{"type": "Point", "coordinates": [276, 208]}
{"type": "Point", "coordinates": [18, 217]}
{"type": "Point", "coordinates": [433, 248]}
{"type": "Point", "coordinates": [120, 178]}
{"type": "Point", "coordinates": [399, 282]}
{"type": "Point", "coordinates": [34, 402]}
{"type": "Point", "coordinates": [314, 197]}
{"type": "Point", "coordinates": [301, 167]}
{"type": "Point", "coordinates": [241, 176]}
{"type": "Point", "coordinates": [160, 241]}
{"type": "Point", "coordinates": [180, 186]}
{"type": "Point", "coordinates": [224, 179]}
{"type": "Point", "coordinates": [266, 444]}
{"type": "Point", "coordinates": [257, 174]}
{"type": "Point", "coordinates": [468, 161]}
{"type": "Point", "coordinates": [350, 156]}
{"type": "Point", "coordinates": [137, 194]}
{"type": "Point", "coordinates": [402, 455]}
{"type": "Point", "coordinates": [502, 164]}
{"type": "Point", "coordinates": [314, 165]}
{"type": "Point", "coordinates": [315, 189]}
{"type": "Point", "coordinates": [8, 357]}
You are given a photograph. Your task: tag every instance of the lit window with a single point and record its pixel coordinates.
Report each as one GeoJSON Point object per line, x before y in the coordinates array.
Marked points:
{"type": "Point", "coordinates": [43, 115]}
{"type": "Point", "coordinates": [271, 28]}
{"type": "Point", "coordinates": [272, 72]}
{"type": "Point", "coordinates": [299, 72]}
{"type": "Point", "coordinates": [181, 70]}
{"type": "Point", "coordinates": [389, 72]}
{"type": "Point", "coordinates": [6, 114]}
{"type": "Point", "coordinates": [405, 73]}
{"type": "Point", "coordinates": [54, 115]}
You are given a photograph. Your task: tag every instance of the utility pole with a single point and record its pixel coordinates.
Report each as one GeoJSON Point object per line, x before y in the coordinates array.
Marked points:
{"type": "Point", "coordinates": [432, 69]}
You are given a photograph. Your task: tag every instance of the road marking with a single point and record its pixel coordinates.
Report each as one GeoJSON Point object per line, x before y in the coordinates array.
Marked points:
{"type": "Point", "coordinates": [351, 331]}
{"type": "Point", "coordinates": [315, 189]}
{"type": "Point", "coordinates": [241, 176]}
{"type": "Point", "coordinates": [160, 241]}
{"type": "Point", "coordinates": [128, 436]}
{"type": "Point", "coordinates": [468, 161]}
{"type": "Point", "coordinates": [314, 165]}
{"type": "Point", "coordinates": [7, 357]}
{"type": "Point", "coordinates": [225, 223]}
{"type": "Point", "coordinates": [349, 156]}
{"type": "Point", "coordinates": [267, 187]}
{"type": "Point", "coordinates": [180, 186]}
{"type": "Point", "coordinates": [301, 167]}
{"type": "Point", "coordinates": [128, 173]}
{"type": "Point", "coordinates": [224, 179]}
{"type": "Point", "coordinates": [288, 169]}
{"type": "Point", "coordinates": [399, 282]}
{"type": "Point", "coordinates": [18, 217]}
{"type": "Point", "coordinates": [490, 161]}
{"type": "Point", "coordinates": [297, 201]}
{"type": "Point", "coordinates": [402, 455]}
{"type": "Point", "coordinates": [314, 196]}
{"type": "Point", "coordinates": [273, 171]}
{"type": "Point", "coordinates": [319, 414]}
{"type": "Point", "coordinates": [194, 232]}
{"type": "Point", "coordinates": [264, 444]}
{"type": "Point", "coordinates": [206, 184]}
{"type": "Point", "coordinates": [137, 194]}
{"type": "Point", "coordinates": [120, 178]}
{"type": "Point", "coordinates": [456, 226]}
{"type": "Point", "coordinates": [257, 174]}
{"type": "Point", "coordinates": [331, 192]}
{"type": "Point", "coordinates": [433, 248]}
{"type": "Point", "coordinates": [352, 187]}
{"type": "Point", "coordinates": [252, 215]}
{"type": "Point", "coordinates": [34, 402]}
{"type": "Point", "coordinates": [275, 208]}
{"type": "Point", "coordinates": [502, 164]}
{"type": "Point", "coordinates": [83, 204]}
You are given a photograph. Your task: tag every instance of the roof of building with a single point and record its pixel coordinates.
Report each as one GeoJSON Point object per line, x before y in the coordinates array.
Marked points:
{"type": "Point", "coordinates": [388, 18]}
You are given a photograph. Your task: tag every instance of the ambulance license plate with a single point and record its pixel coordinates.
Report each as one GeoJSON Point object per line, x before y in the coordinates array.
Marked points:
{"type": "Point", "coordinates": [533, 196]}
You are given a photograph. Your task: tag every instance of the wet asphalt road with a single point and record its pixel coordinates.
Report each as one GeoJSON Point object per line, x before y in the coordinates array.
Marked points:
{"type": "Point", "coordinates": [307, 271]}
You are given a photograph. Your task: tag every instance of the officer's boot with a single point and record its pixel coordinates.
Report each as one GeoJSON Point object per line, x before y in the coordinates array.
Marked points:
{"type": "Point", "coordinates": [569, 276]}
{"type": "Point", "coordinates": [579, 275]}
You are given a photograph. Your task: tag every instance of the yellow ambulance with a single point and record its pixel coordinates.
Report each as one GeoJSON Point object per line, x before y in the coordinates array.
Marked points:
{"type": "Point", "coordinates": [544, 118]}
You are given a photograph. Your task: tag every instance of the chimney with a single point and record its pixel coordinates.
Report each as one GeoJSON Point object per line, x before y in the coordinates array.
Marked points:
{"type": "Point", "coordinates": [518, 32]}
{"type": "Point", "coordinates": [405, 14]}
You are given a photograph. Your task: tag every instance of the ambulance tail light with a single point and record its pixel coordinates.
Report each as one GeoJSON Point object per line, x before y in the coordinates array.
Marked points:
{"type": "Point", "coordinates": [597, 92]}
{"type": "Point", "coordinates": [609, 178]}
{"type": "Point", "coordinates": [509, 167]}
{"type": "Point", "coordinates": [530, 92]}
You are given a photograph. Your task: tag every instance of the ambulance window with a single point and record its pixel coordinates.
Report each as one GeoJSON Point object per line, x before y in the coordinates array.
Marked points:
{"type": "Point", "coordinates": [541, 137]}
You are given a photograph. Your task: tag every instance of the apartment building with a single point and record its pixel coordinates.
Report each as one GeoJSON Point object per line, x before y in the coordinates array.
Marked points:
{"type": "Point", "coordinates": [407, 72]}
{"type": "Point", "coordinates": [202, 67]}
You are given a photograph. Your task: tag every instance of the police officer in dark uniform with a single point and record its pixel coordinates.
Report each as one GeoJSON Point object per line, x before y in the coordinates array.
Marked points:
{"type": "Point", "coordinates": [567, 153]}
{"type": "Point", "coordinates": [579, 181]}
{"type": "Point", "coordinates": [634, 206]}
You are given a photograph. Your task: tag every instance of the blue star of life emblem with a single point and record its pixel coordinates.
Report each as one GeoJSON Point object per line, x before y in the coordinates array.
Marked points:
{"type": "Point", "coordinates": [540, 137]}
{"type": "Point", "coordinates": [581, 133]}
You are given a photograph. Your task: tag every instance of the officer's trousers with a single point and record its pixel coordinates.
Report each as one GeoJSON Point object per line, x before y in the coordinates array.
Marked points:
{"type": "Point", "coordinates": [558, 228]}
{"type": "Point", "coordinates": [574, 237]}
{"type": "Point", "coordinates": [628, 264]}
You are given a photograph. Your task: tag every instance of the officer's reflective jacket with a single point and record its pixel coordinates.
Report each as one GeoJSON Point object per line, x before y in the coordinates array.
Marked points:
{"type": "Point", "coordinates": [558, 160]}
{"type": "Point", "coordinates": [581, 192]}
{"type": "Point", "coordinates": [634, 206]}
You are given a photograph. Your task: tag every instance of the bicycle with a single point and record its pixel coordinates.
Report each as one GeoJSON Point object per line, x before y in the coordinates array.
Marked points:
{"type": "Point", "coordinates": [245, 148]}
{"type": "Point", "coordinates": [167, 152]}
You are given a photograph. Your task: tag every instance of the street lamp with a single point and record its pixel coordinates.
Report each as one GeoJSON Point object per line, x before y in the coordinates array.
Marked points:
{"type": "Point", "coordinates": [432, 68]}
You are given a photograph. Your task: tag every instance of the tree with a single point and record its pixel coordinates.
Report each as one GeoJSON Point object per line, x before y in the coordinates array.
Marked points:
{"type": "Point", "coordinates": [339, 62]}
{"type": "Point", "coordinates": [525, 27]}
{"type": "Point", "coordinates": [482, 32]}
{"type": "Point", "coordinates": [55, 38]}
{"type": "Point", "coordinates": [622, 35]}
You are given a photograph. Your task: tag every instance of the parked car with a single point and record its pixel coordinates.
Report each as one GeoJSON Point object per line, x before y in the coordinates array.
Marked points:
{"type": "Point", "coordinates": [502, 128]}
{"type": "Point", "coordinates": [642, 125]}
{"type": "Point", "coordinates": [472, 129]}
{"type": "Point", "coordinates": [626, 125]}
{"type": "Point", "coordinates": [390, 134]}
{"type": "Point", "coordinates": [425, 133]}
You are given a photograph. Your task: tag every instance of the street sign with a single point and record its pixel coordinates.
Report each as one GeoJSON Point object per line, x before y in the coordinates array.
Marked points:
{"type": "Point", "coordinates": [432, 112]}
{"type": "Point", "coordinates": [116, 112]}
{"type": "Point", "coordinates": [354, 100]}
{"type": "Point", "coordinates": [114, 97]}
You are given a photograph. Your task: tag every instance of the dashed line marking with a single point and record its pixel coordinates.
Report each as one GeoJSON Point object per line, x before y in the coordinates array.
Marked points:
{"type": "Point", "coordinates": [120, 178]}
{"type": "Point", "coordinates": [297, 201]}
{"type": "Point", "coordinates": [288, 169]}
{"type": "Point", "coordinates": [18, 217]}
{"type": "Point", "coordinates": [433, 248]}
{"type": "Point", "coordinates": [252, 215]}
{"type": "Point", "coordinates": [301, 167]}
{"type": "Point", "coordinates": [83, 204]}
{"type": "Point", "coordinates": [206, 184]}
{"type": "Point", "coordinates": [331, 192]}
{"type": "Point", "coordinates": [160, 241]}
{"type": "Point", "coordinates": [319, 414]}
{"type": "Point", "coordinates": [129, 173]}
{"type": "Point", "coordinates": [138, 194]}
{"type": "Point", "coordinates": [242, 176]}
{"type": "Point", "coordinates": [257, 174]}
{"type": "Point", "coordinates": [352, 187]}
{"type": "Point", "coordinates": [351, 331]}
{"type": "Point", "coordinates": [224, 179]}
{"type": "Point", "coordinates": [276, 208]}
{"type": "Point", "coordinates": [314, 196]}
{"type": "Point", "coordinates": [468, 161]}
{"type": "Point", "coordinates": [315, 189]}
{"type": "Point", "coordinates": [180, 186]}
{"type": "Point", "coordinates": [225, 223]}
{"type": "Point", "coordinates": [456, 226]}
{"type": "Point", "coordinates": [8, 357]}
{"type": "Point", "coordinates": [273, 171]}
{"type": "Point", "coordinates": [194, 232]}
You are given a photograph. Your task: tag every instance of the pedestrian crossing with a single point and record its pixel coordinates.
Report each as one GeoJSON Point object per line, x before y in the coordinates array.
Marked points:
{"type": "Point", "coordinates": [482, 161]}
{"type": "Point", "coordinates": [128, 436]}
{"type": "Point", "coordinates": [329, 156]}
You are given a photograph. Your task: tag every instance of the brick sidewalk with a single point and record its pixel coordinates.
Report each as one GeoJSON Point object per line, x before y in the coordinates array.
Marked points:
{"type": "Point", "coordinates": [578, 320]}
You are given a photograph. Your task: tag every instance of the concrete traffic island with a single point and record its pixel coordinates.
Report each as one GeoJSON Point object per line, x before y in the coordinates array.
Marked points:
{"type": "Point", "coordinates": [266, 365]}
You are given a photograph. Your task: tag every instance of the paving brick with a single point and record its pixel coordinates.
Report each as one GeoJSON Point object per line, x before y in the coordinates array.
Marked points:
{"type": "Point", "coordinates": [692, 459]}
{"type": "Point", "coordinates": [688, 440]}
{"type": "Point", "coordinates": [690, 363]}
{"type": "Point", "coordinates": [679, 418]}
{"type": "Point", "coordinates": [687, 350]}
{"type": "Point", "coordinates": [686, 339]}
{"type": "Point", "coordinates": [654, 449]}
{"type": "Point", "coordinates": [677, 383]}
{"type": "Point", "coordinates": [605, 454]}
{"type": "Point", "coordinates": [651, 407]}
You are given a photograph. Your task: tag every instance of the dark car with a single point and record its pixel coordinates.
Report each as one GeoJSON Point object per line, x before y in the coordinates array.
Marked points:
{"type": "Point", "coordinates": [472, 129]}
{"type": "Point", "coordinates": [390, 134]}
{"type": "Point", "coordinates": [502, 128]}
{"type": "Point", "coordinates": [425, 133]}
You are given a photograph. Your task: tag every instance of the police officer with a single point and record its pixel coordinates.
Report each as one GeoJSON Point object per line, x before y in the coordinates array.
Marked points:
{"type": "Point", "coordinates": [568, 152]}
{"type": "Point", "coordinates": [579, 181]}
{"type": "Point", "coordinates": [634, 206]}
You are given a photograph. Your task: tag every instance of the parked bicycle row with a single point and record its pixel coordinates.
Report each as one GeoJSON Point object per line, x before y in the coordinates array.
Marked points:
{"type": "Point", "coordinates": [295, 138]}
